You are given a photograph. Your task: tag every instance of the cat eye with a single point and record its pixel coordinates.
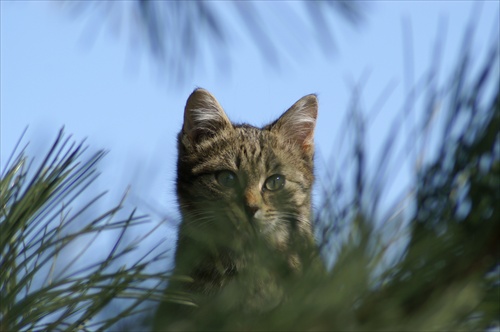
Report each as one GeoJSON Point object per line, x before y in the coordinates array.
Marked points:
{"type": "Point", "coordinates": [275, 182]}
{"type": "Point", "coordinates": [227, 179]}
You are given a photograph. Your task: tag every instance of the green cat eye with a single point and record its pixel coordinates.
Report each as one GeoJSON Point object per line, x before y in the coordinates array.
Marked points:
{"type": "Point", "coordinates": [275, 182]}
{"type": "Point", "coordinates": [227, 179]}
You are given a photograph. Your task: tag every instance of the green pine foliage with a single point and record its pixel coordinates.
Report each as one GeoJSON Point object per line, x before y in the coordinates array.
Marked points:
{"type": "Point", "coordinates": [444, 277]}
{"type": "Point", "coordinates": [40, 290]}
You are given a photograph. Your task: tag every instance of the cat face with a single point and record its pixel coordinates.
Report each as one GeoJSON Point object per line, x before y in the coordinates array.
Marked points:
{"type": "Point", "coordinates": [238, 183]}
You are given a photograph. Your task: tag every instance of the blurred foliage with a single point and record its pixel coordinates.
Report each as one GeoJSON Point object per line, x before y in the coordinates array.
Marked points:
{"type": "Point", "coordinates": [180, 33]}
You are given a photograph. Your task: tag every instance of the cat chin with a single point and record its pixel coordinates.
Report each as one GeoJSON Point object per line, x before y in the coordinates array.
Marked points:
{"type": "Point", "coordinates": [259, 232]}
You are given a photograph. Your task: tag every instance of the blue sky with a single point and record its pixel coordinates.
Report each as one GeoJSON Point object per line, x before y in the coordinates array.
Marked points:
{"type": "Point", "coordinates": [54, 73]}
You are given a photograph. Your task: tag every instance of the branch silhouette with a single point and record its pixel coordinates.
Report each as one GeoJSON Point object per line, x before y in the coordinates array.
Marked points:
{"type": "Point", "coordinates": [178, 33]}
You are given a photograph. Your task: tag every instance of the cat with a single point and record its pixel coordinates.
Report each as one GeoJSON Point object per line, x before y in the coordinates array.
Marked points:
{"type": "Point", "coordinates": [245, 198]}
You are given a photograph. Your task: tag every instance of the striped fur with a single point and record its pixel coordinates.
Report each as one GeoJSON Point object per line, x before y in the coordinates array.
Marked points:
{"type": "Point", "coordinates": [226, 232]}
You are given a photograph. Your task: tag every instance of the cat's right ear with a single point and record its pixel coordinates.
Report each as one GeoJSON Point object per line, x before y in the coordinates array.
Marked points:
{"type": "Point", "coordinates": [203, 116]}
{"type": "Point", "coordinates": [298, 122]}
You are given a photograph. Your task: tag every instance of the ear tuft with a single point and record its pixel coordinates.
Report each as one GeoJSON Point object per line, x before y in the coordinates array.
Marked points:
{"type": "Point", "coordinates": [203, 116]}
{"type": "Point", "coordinates": [298, 122]}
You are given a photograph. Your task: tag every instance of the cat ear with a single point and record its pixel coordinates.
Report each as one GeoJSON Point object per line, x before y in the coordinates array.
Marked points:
{"type": "Point", "coordinates": [298, 122]}
{"type": "Point", "coordinates": [203, 116]}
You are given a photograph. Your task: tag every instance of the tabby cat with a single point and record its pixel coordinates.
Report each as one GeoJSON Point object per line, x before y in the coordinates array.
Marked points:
{"type": "Point", "coordinates": [245, 199]}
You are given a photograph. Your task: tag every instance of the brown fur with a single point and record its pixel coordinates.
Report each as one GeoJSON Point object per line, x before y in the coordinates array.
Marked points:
{"type": "Point", "coordinates": [243, 234]}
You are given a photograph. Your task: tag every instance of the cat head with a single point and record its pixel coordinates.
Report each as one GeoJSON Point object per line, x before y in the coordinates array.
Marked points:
{"type": "Point", "coordinates": [237, 181]}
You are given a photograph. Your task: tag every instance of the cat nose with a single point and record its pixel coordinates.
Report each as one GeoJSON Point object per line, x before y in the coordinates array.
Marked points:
{"type": "Point", "coordinates": [252, 203]}
{"type": "Point", "coordinates": [251, 209]}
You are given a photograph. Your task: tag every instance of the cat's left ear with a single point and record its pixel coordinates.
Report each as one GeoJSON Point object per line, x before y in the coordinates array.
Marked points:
{"type": "Point", "coordinates": [298, 122]}
{"type": "Point", "coordinates": [203, 116]}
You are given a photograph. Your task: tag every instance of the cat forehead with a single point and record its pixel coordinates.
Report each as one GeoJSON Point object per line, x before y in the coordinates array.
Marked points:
{"type": "Point", "coordinates": [250, 137]}
{"type": "Point", "coordinates": [257, 148]}
{"type": "Point", "coordinates": [249, 132]}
